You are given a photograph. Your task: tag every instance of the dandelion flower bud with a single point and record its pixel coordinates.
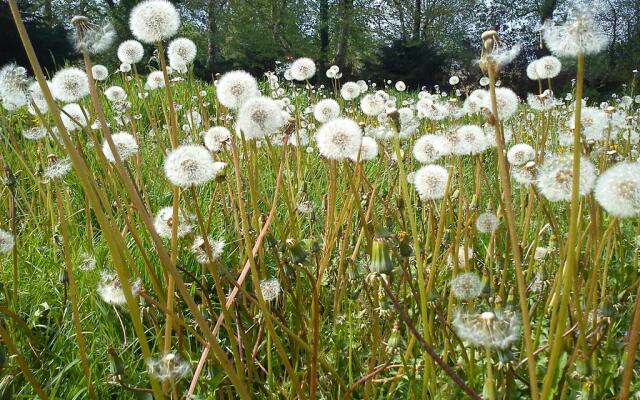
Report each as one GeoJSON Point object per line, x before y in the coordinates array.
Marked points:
{"type": "Point", "coordinates": [430, 182]}
{"type": "Point", "coordinates": [216, 138]}
{"type": "Point", "coordinates": [74, 117]}
{"type": "Point", "coordinates": [236, 87]}
{"type": "Point", "coordinates": [270, 289]}
{"type": "Point", "coordinates": [163, 223]}
{"type": "Point", "coordinates": [548, 67]}
{"type": "Point", "coordinates": [350, 91]}
{"type": "Point", "coordinates": [303, 69]}
{"type": "Point", "coordinates": [181, 51]}
{"type": "Point", "coordinates": [520, 154]}
{"type": "Point", "coordinates": [125, 144]}
{"type": "Point", "coordinates": [259, 117]}
{"type": "Point", "coordinates": [170, 368]}
{"type": "Point", "coordinates": [372, 105]}
{"type": "Point", "coordinates": [429, 148]}
{"type": "Point", "coordinates": [326, 110]}
{"type": "Point", "coordinates": [153, 21]}
{"type": "Point", "coordinates": [130, 52]}
{"type": "Point", "coordinates": [190, 165]}
{"type": "Point", "coordinates": [487, 222]}
{"type": "Point", "coordinates": [618, 190]}
{"type": "Point", "coordinates": [368, 150]}
{"type": "Point", "coordinates": [99, 72]}
{"type": "Point", "coordinates": [7, 242]}
{"type": "Point", "coordinates": [467, 286]}
{"type": "Point", "coordinates": [555, 177]}
{"type": "Point", "coordinates": [339, 139]}
{"type": "Point", "coordinates": [70, 84]}
{"type": "Point", "coordinates": [380, 257]}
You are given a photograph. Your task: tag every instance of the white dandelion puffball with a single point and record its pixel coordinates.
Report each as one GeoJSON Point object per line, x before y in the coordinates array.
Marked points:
{"type": "Point", "coordinates": [429, 148]}
{"type": "Point", "coordinates": [454, 80]}
{"type": "Point", "coordinates": [35, 133]}
{"type": "Point", "coordinates": [215, 138]}
{"type": "Point", "coordinates": [125, 144]}
{"type": "Point", "coordinates": [548, 67]}
{"type": "Point", "coordinates": [368, 150]}
{"type": "Point", "coordinates": [125, 68]}
{"type": "Point", "coordinates": [153, 21]}
{"type": "Point", "coordinates": [270, 289]}
{"type": "Point", "coordinates": [14, 82]}
{"type": "Point", "coordinates": [618, 190]}
{"type": "Point", "coordinates": [487, 222]}
{"type": "Point", "coordinates": [520, 154]}
{"type": "Point", "coordinates": [350, 91]}
{"type": "Point", "coordinates": [236, 87]}
{"type": "Point", "coordinates": [181, 51]}
{"type": "Point", "coordinates": [469, 139]}
{"type": "Point", "coordinates": [303, 69]}
{"type": "Point", "coordinates": [400, 86]}
{"type": "Point", "coordinates": [372, 104]}
{"type": "Point", "coordinates": [99, 72]}
{"type": "Point", "coordinates": [190, 165]}
{"type": "Point", "coordinates": [488, 329]}
{"type": "Point", "coordinates": [115, 94]}
{"type": "Point", "coordinates": [70, 84]}
{"type": "Point", "coordinates": [476, 100]}
{"type": "Point", "coordinates": [155, 80]}
{"type": "Point", "coordinates": [74, 117]}
{"type": "Point", "coordinates": [130, 52]}
{"type": "Point", "coordinates": [532, 71]}
{"type": "Point", "coordinates": [339, 139]}
{"type": "Point", "coordinates": [199, 249]}
{"type": "Point", "coordinates": [169, 368]}
{"type": "Point", "coordinates": [507, 102]}
{"type": "Point", "coordinates": [580, 34]}
{"type": "Point", "coordinates": [430, 182]}
{"type": "Point", "coordinates": [555, 177]}
{"type": "Point", "coordinates": [7, 241]}
{"type": "Point", "coordinates": [326, 110]}
{"type": "Point", "coordinates": [163, 223]}
{"type": "Point", "coordinates": [466, 286]}
{"type": "Point", "coordinates": [259, 117]}
{"type": "Point", "coordinates": [37, 99]}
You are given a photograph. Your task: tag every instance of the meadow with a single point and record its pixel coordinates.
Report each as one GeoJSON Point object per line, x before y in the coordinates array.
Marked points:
{"type": "Point", "coordinates": [279, 237]}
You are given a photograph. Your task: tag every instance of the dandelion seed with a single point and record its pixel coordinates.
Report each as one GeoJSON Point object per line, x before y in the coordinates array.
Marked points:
{"type": "Point", "coordinates": [163, 223]}
{"type": "Point", "coordinates": [111, 292]}
{"type": "Point", "coordinates": [153, 21]}
{"type": "Point", "coordinates": [467, 286]}
{"type": "Point", "coordinates": [190, 165]}
{"type": "Point", "coordinates": [618, 190]}
{"type": "Point", "coordinates": [488, 329]}
{"type": "Point", "coordinates": [125, 144]}
{"type": "Point", "coordinates": [555, 177]}
{"type": "Point", "coordinates": [7, 241]}
{"type": "Point", "coordinates": [198, 248]}
{"type": "Point", "coordinates": [339, 139]}
{"type": "Point", "coordinates": [270, 289]}
{"type": "Point", "coordinates": [430, 182]}
{"type": "Point", "coordinates": [170, 367]}
{"type": "Point", "coordinates": [70, 84]}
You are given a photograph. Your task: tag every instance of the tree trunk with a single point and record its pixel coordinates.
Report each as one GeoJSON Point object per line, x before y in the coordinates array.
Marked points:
{"type": "Point", "coordinates": [346, 9]}
{"type": "Point", "coordinates": [214, 8]}
{"type": "Point", "coordinates": [417, 20]}
{"type": "Point", "coordinates": [324, 33]}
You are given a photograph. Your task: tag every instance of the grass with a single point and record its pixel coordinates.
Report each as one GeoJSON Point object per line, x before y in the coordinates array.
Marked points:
{"type": "Point", "coordinates": [336, 330]}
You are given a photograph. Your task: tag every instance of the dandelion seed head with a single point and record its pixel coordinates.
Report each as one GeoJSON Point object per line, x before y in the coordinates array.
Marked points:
{"type": "Point", "coordinates": [153, 21]}
{"type": "Point", "coordinates": [400, 86]}
{"type": "Point", "coordinates": [99, 72]}
{"type": "Point", "coordinates": [491, 329]}
{"type": "Point", "coordinates": [520, 154]}
{"type": "Point", "coordinates": [70, 84]}
{"type": "Point", "coordinates": [155, 80]}
{"type": "Point", "coordinates": [115, 94]}
{"type": "Point", "coordinates": [368, 150]}
{"type": "Point", "coordinates": [476, 101]}
{"type": "Point", "coordinates": [580, 34]}
{"type": "Point", "coordinates": [466, 286]}
{"type": "Point", "coordinates": [429, 148]}
{"type": "Point", "coordinates": [430, 182]}
{"type": "Point", "coordinates": [350, 90]}
{"type": "Point", "coordinates": [487, 222]}
{"type": "Point", "coordinates": [57, 169]}
{"type": "Point", "coordinates": [190, 165]}
{"type": "Point", "coordinates": [7, 241]}
{"type": "Point", "coordinates": [163, 223]}
{"type": "Point", "coordinates": [130, 52]}
{"type": "Point", "coordinates": [34, 133]}
{"type": "Point", "coordinates": [259, 117]}
{"type": "Point", "coordinates": [555, 177]}
{"type": "Point", "coordinates": [125, 144]}
{"type": "Point", "coordinates": [618, 190]}
{"type": "Point", "coordinates": [236, 87]}
{"type": "Point", "coordinates": [326, 110]}
{"type": "Point", "coordinates": [270, 289]}
{"type": "Point", "coordinates": [74, 117]}
{"type": "Point", "coordinates": [548, 67]}
{"type": "Point", "coordinates": [181, 51]}
{"type": "Point", "coordinates": [532, 70]}
{"type": "Point", "coordinates": [198, 248]}
{"type": "Point", "coordinates": [339, 139]}
{"type": "Point", "coordinates": [14, 84]}
{"type": "Point", "coordinates": [303, 69]}
{"type": "Point", "coordinates": [470, 139]}
{"type": "Point", "coordinates": [507, 102]}
{"type": "Point", "coordinates": [216, 138]}
{"type": "Point", "coordinates": [169, 368]}
{"type": "Point", "coordinates": [110, 289]}
{"type": "Point", "coordinates": [372, 104]}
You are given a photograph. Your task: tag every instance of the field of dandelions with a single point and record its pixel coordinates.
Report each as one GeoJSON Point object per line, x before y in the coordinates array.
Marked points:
{"type": "Point", "coordinates": [270, 237]}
